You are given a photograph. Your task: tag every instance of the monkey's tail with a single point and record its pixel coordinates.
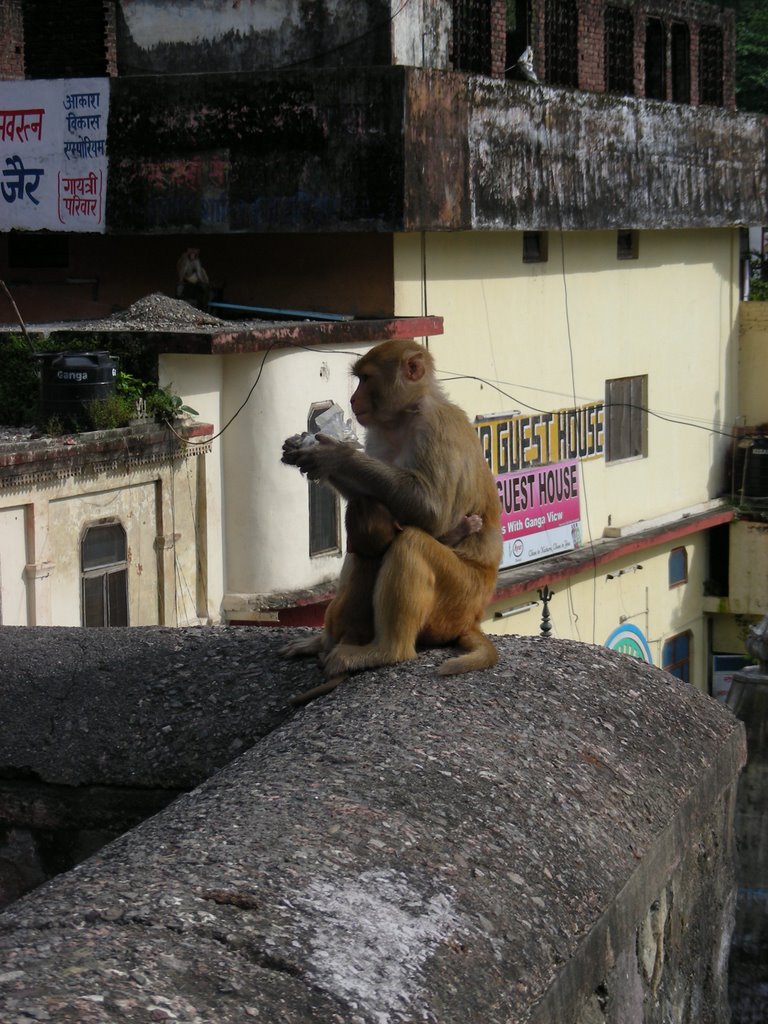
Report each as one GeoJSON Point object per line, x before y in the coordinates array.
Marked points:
{"type": "Point", "coordinates": [317, 691]}
{"type": "Point", "coordinates": [480, 654]}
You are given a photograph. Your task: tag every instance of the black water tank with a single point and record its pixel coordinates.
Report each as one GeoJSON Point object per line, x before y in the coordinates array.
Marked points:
{"type": "Point", "coordinates": [70, 380]}
{"type": "Point", "coordinates": [750, 469]}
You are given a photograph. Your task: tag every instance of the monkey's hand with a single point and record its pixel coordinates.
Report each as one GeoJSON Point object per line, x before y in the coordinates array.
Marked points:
{"type": "Point", "coordinates": [316, 461]}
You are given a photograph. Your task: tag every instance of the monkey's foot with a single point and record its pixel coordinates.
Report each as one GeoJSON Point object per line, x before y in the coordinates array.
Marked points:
{"type": "Point", "coordinates": [303, 648]}
{"type": "Point", "coordinates": [350, 658]}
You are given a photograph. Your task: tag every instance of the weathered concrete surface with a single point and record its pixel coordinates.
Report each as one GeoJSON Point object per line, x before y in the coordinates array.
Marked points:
{"type": "Point", "coordinates": [137, 707]}
{"type": "Point", "coordinates": [549, 840]}
{"type": "Point", "coordinates": [407, 149]}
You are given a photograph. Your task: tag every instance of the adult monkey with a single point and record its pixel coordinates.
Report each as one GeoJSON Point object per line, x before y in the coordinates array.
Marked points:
{"type": "Point", "coordinates": [423, 462]}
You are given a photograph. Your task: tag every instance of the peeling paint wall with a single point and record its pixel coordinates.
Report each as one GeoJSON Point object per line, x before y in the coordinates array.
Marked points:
{"type": "Point", "coordinates": [541, 158]}
{"type": "Point", "coordinates": [392, 149]}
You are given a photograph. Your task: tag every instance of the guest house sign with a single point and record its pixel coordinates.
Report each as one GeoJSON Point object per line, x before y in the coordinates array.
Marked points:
{"type": "Point", "coordinates": [535, 461]}
{"type": "Point", "coordinates": [53, 154]}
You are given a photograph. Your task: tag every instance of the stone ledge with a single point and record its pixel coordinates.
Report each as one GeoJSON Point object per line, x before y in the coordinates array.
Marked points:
{"type": "Point", "coordinates": [483, 848]}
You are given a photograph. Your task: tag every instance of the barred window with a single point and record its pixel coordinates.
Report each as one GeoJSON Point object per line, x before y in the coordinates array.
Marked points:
{"type": "Point", "coordinates": [711, 65]}
{"type": "Point", "coordinates": [681, 63]}
{"type": "Point", "coordinates": [626, 418]}
{"type": "Point", "coordinates": [619, 51]}
{"type": "Point", "coordinates": [472, 36]}
{"type": "Point", "coordinates": [561, 23]}
{"type": "Point", "coordinates": [655, 60]}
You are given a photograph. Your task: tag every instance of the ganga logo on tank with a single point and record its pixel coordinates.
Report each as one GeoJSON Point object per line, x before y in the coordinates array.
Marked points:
{"type": "Point", "coordinates": [629, 640]}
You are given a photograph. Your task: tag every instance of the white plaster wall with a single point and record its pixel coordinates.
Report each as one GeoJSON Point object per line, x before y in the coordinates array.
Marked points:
{"type": "Point", "coordinates": [266, 511]}
{"type": "Point", "coordinates": [421, 33]}
{"type": "Point", "coordinates": [200, 380]}
{"type": "Point", "coordinates": [13, 558]}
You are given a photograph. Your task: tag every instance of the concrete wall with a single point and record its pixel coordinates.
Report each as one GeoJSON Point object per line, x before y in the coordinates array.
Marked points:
{"type": "Point", "coordinates": [390, 149]}
{"type": "Point", "coordinates": [547, 840]}
{"type": "Point", "coordinates": [50, 496]}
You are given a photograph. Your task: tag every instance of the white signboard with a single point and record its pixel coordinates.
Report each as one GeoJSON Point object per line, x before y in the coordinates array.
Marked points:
{"type": "Point", "coordinates": [53, 154]}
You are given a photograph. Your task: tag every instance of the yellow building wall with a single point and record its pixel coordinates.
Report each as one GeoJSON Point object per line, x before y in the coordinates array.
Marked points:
{"type": "Point", "coordinates": [753, 357]}
{"type": "Point", "coordinates": [546, 336]}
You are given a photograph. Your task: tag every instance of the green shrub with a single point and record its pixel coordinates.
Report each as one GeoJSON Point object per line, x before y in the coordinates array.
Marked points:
{"type": "Point", "coordinates": [134, 396]}
{"type": "Point", "coordinates": [18, 382]}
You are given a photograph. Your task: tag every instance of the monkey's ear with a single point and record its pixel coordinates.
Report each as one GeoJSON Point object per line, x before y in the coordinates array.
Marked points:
{"type": "Point", "coordinates": [413, 366]}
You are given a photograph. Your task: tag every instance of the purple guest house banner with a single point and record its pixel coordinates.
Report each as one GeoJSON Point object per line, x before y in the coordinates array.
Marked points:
{"type": "Point", "coordinates": [535, 461]}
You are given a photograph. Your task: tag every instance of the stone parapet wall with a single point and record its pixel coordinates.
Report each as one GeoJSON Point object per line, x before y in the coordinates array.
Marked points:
{"type": "Point", "coordinates": [546, 840]}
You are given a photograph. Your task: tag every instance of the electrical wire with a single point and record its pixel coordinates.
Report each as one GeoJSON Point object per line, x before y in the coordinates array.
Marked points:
{"type": "Point", "coordinates": [234, 416]}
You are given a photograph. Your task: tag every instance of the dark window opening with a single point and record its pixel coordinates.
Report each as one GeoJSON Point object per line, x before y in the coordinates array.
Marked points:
{"type": "Point", "coordinates": [655, 60]}
{"type": "Point", "coordinates": [711, 65]}
{"type": "Point", "coordinates": [626, 418]}
{"type": "Point", "coordinates": [561, 23]}
{"type": "Point", "coordinates": [627, 245]}
{"type": "Point", "coordinates": [27, 250]}
{"type": "Point", "coordinates": [535, 247]}
{"type": "Point", "coordinates": [716, 583]}
{"type": "Point", "coordinates": [676, 656]}
{"type": "Point", "coordinates": [324, 535]}
{"type": "Point", "coordinates": [472, 36]}
{"type": "Point", "coordinates": [681, 63]}
{"type": "Point", "coordinates": [677, 567]}
{"type": "Point", "coordinates": [619, 51]}
{"type": "Point", "coordinates": [104, 566]}
{"type": "Point", "coordinates": [518, 34]}
{"type": "Point", "coordinates": [64, 40]}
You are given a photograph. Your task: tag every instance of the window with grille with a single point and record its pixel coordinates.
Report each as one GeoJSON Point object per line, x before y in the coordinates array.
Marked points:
{"type": "Point", "coordinates": [626, 418]}
{"type": "Point", "coordinates": [518, 31]}
{"type": "Point", "coordinates": [619, 51]}
{"type": "Point", "coordinates": [324, 535]}
{"type": "Point", "coordinates": [561, 23]}
{"type": "Point", "coordinates": [655, 60]}
{"type": "Point", "coordinates": [676, 656]}
{"type": "Point", "coordinates": [678, 567]}
{"type": "Point", "coordinates": [711, 65]}
{"type": "Point", "coordinates": [104, 568]}
{"type": "Point", "coordinates": [472, 36]}
{"type": "Point", "coordinates": [681, 62]}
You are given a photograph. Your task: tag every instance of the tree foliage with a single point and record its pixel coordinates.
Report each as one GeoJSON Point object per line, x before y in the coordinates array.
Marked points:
{"type": "Point", "coordinates": [751, 54]}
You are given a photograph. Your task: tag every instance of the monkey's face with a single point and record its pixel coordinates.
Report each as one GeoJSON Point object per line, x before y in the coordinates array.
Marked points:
{"type": "Point", "coordinates": [364, 398]}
